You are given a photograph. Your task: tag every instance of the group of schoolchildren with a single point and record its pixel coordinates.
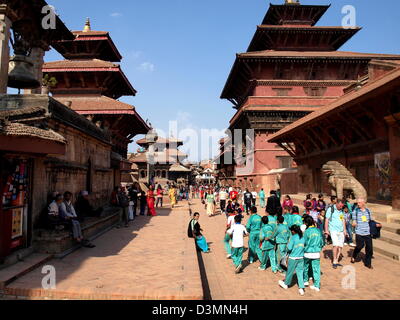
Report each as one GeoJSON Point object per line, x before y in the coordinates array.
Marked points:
{"type": "Point", "coordinates": [288, 242]}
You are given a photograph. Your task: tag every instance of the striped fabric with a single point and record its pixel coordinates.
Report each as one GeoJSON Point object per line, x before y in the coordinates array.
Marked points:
{"type": "Point", "coordinates": [363, 218]}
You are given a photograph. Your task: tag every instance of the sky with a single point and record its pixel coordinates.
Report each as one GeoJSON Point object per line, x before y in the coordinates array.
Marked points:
{"type": "Point", "coordinates": [178, 53]}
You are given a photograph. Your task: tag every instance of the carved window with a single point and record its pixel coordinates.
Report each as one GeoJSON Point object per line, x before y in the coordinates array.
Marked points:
{"type": "Point", "coordinates": [285, 162]}
{"type": "Point", "coordinates": [282, 92]}
{"type": "Point", "coordinates": [315, 91]}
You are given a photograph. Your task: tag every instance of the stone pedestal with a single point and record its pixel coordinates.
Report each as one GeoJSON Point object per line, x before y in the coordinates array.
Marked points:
{"type": "Point", "coordinates": [394, 143]}
{"type": "Point", "coordinates": [5, 26]}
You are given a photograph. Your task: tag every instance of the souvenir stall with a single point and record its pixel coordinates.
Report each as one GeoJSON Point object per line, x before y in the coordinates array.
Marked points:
{"type": "Point", "coordinates": [15, 204]}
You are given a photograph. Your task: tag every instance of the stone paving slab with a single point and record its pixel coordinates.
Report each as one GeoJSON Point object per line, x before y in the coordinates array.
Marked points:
{"type": "Point", "coordinates": [381, 283]}
{"type": "Point", "coordinates": [152, 259]}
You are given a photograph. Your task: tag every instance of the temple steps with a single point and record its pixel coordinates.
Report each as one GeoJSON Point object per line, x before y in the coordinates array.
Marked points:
{"type": "Point", "coordinates": [22, 267]}
{"type": "Point", "coordinates": [387, 249]}
{"type": "Point", "coordinates": [390, 237]}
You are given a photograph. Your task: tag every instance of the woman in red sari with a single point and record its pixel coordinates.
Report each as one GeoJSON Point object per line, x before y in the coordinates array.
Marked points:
{"type": "Point", "coordinates": [151, 202]}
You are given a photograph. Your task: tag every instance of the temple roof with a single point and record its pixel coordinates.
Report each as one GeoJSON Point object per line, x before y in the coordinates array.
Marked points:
{"type": "Point", "coordinates": [89, 76]}
{"type": "Point", "coordinates": [294, 14]}
{"type": "Point", "coordinates": [240, 75]}
{"type": "Point", "coordinates": [391, 79]}
{"type": "Point", "coordinates": [27, 18]}
{"type": "Point", "coordinates": [279, 37]}
{"type": "Point", "coordinates": [101, 105]}
{"type": "Point", "coordinates": [161, 141]}
{"type": "Point", "coordinates": [89, 45]}
{"type": "Point", "coordinates": [316, 55]}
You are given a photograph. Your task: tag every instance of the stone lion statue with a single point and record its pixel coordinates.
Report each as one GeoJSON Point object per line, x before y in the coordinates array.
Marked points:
{"type": "Point", "coordinates": [341, 179]}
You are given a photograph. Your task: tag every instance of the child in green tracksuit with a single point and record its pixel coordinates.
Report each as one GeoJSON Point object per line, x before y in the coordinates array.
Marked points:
{"type": "Point", "coordinates": [267, 237]}
{"type": "Point", "coordinates": [296, 259]}
{"type": "Point", "coordinates": [286, 215]}
{"type": "Point", "coordinates": [295, 218]}
{"type": "Point", "coordinates": [314, 242]}
{"type": "Point", "coordinates": [253, 228]}
{"type": "Point", "coordinates": [282, 238]}
{"type": "Point", "coordinates": [238, 232]}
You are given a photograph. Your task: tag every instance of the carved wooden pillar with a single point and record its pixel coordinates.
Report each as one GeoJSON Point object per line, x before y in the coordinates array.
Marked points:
{"type": "Point", "coordinates": [5, 28]}
{"type": "Point", "coordinates": [37, 56]}
{"type": "Point", "coordinates": [394, 143]}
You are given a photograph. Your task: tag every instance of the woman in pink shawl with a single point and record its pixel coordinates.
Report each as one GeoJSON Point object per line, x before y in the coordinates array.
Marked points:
{"type": "Point", "coordinates": [288, 203]}
{"type": "Point", "coordinates": [151, 202]}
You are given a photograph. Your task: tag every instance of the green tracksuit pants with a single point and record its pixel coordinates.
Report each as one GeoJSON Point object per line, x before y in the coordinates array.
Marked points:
{"type": "Point", "coordinates": [237, 256]}
{"type": "Point", "coordinates": [312, 268]}
{"type": "Point", "coordinates": [254, 245]}
{"type": "Point", "coordinates": [227, 244]}
{"type": "Point", "coordinates": [298, 267]}
{"type": "Point", "coordinates": [269, 255]}
{"type": "Point", "coordinates": [280, 253]}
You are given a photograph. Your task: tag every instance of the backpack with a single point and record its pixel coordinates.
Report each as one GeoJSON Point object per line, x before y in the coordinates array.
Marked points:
{"type": "Point", "coordinates": [190, 231]}
{"type": "Point", "coordinates": [123, 200]}
{"type": "Point", "coordinates": [374, 230]}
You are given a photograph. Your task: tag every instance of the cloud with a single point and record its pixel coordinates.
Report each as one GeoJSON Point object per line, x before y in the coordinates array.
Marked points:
{"type": "Point", "coordinates": [116, 14]}
{"type": "Point", "coordinates": [147, 67]}
{"type": "Point", "coordinates": [134, 55]}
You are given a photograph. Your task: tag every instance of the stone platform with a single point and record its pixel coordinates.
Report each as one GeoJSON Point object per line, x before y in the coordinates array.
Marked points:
{"type": "Point", "coordinates": [153, 259]}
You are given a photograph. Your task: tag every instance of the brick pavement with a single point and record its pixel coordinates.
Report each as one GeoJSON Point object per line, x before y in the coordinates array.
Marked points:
{"type": "Point", "coordinates": [381, 283]}
{"type": "Point", "coordinates": [152, 259]}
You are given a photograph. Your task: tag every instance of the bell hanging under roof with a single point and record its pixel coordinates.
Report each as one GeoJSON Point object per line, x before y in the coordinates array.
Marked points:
{"type": "Point", "coordinates": [21, 73]}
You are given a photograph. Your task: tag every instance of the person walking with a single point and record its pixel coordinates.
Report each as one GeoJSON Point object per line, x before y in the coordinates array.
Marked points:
{"type": "Point", "coordinates": [133, 197]}
{"type": "Point", "coordinates": [160, 195]}
{"type": "Point", "coordinates": [151, 210]}
{"type": "Point", "coordinates": [335, 227]}
{"type": "Point", "coordinates": [273, 204]}
{"type": "Point", "coordinates": [349, 227]}
{"type": "Point", "coordinates": [123, 203]}
{"type": "Point", "coordinates": [295, 249]}
{"type": "Point", "coordinates": [295, 218]}
{"type": "Point", "coordinates": [248, 197]}
{"type": "Point", "coordinates": [227, 240]}
{"type": "Point", "coordinates": [254, 198]}
{"type": "Point", "coordinates": [210, 203]}
{"type": "Point", "coordinates": [172, 196]}
{"type": "Point", "coordinates": [281, 239]}
{"type": "Point", "coordinates": [314, 243]}
{"type": "Point", "coordinates": [223, 196]}
{"type": "Point", "coordinates": [253, 227]}
{"type": "Point", "coordinates": [261, 195]}
{"type": "Point", "coordinates": [361, 218]}
{"type": "Point", "coordinates": [267, 238]}
{"type": "Point", "coordinates": [238, 232]}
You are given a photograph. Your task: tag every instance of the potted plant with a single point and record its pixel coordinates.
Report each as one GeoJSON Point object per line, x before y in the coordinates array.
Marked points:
{"type": "Point", "coordinates": [47, 83]}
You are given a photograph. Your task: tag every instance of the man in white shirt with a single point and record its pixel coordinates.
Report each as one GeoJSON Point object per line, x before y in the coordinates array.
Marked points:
{"type": "Point", "coordinates": [53, 210]}
{"type": "Point", "coordinates": [238, 232]}
{"type": "Point", "coordinates": [254, 201]}
{"type": "Point", "coordinates": [223, 196]}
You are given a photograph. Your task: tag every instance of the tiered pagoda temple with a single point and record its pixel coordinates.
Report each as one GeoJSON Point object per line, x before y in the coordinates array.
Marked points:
{"type": "Point", "coordinates": [291, 68]}
{"type": "Point", "coordinates": [90, 81]}
{"type": "Point", "coordinates": [167, 162]}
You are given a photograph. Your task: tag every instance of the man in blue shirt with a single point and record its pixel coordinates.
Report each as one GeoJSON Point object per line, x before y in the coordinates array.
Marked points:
{"type": "Point", "coordinates": [361, 217]}
{"type": "Point", "coordinates": [335, 226]}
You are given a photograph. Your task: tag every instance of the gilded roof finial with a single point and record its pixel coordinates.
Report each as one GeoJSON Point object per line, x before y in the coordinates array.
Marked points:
{"type": "Point", "coordinates": [292, 2]}
{"type": "Point", "coordinates": [87, 27]}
